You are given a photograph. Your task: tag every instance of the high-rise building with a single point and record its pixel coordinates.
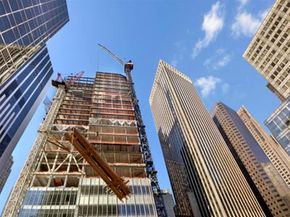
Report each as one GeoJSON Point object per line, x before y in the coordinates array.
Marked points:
{"type": "Point", "coordinates": [278, 182]}
{"type": "Point", "coordinates": [251, 158]}
{"type": "Point", "coordinates": [268, 51]}
{"type": "Point", "coordinates": [19, 99]}
{"type": "Point", "coordinates": [5, 171]}
{"type": "Point", "coordinates": [202, 171]}
{"type": "Point", "coordinates": [25, 27]}
{"type": "Point", "coordinates": [276, 154]}
{"type": "Point", "coordinates": [60, 182]}
{"type": "Point", "coordinates": [25, 66]}
{"type": "Point", "coordinates": [279, 122]}
{"type": "Point", "coordinates": [168, 203]}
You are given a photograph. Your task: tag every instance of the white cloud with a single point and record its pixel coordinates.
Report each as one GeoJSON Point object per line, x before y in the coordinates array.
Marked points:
{"type": "Point", "coordinates": [174, 62]}
{"type": "Point", "coordinates": [264, 13]}
{"type": "Point", "coordinates": [242, 3]}
{"type": "Point", "coordinates": [224, 60]}
{"type": "Point", "coordinates": [178, 54]}
{"type": "Point", "coordinates": [213, 23]}
{"type": "Point", "coordinates": [245, 24]}
{"type": "Point", "coordinates": [219, 60]}
{"type": "Point", "coordinates": [207, 84]}
{"type": "Point", "coordinates": [225, 87]}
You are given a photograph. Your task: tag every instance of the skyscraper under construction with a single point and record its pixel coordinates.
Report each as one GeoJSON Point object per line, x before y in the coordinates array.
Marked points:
{"type": "Point", "coordinates": [56, 179]}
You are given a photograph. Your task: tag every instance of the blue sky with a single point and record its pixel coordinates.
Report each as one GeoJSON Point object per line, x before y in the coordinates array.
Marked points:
{"type": "Point", "coordinates": [203, 39]}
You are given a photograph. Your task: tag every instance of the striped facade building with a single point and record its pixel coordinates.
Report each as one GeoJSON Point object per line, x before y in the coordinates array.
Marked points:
{"type": "Point", "coordinates": [251, 159]}
{"type": "Point", "coordinates": [276, 154]}
{"type": "Point", "coordinates": [205, 178]}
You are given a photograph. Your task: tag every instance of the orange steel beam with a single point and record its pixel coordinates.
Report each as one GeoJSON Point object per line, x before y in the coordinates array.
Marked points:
{"type": "Point", "coordinates": [101, 167]}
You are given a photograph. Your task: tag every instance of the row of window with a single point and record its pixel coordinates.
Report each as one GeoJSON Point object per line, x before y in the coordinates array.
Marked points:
{"type": "Point", "coordinates": [50, 198]}
{"type": "Point", "coordinates": [97, 190]}
{"type": "Point", "coordinates": [22, 101]}
{"type": "Point", "coordinates": [46, 213]}
{"type": "Point", "coordinates": [119, 210]}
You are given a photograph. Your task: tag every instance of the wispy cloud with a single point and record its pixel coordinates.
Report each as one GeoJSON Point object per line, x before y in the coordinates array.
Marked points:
{"type": "Point", "coordinates": [174, 62]}
{"type": "Point", "coordinates": [213, 22]}
{"type": "Point", "coordinates": [245, 23]}
{"type": "Point", "coordinates": [242, 3]}
{"type": "Point", "coordinates": [225, 87]}
{"type": "Point", "coordinates": [207, 84]}
{"type": "Point", "coordinates": [178, 54]}
{"type": "Point", "coordinates": [219, 60]}
{"type": "Point", "coordinates": [223, 61]}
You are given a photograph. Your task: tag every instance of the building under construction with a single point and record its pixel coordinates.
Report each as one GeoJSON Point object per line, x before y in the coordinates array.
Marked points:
{"type": "Point", "coordinates": [57, 180]}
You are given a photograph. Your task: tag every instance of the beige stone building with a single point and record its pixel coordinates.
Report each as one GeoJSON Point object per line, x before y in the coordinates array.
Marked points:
{"type": "Point", "coordinates": [196, 156]}
{"type": "Point", "coordinates": [250, 157]}
{"type": "Point", "coordinates": [278, 182]}
{"type": "Point", "coordinates": [269, 50]}
{"type": "Point", "coordinates": [277, 155]}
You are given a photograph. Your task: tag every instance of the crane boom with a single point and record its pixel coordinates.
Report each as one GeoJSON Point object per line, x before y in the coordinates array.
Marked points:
{"type": "Point", "coordinates": [128, 66]}
{"type": "Point", "coordinates": [118, 59]}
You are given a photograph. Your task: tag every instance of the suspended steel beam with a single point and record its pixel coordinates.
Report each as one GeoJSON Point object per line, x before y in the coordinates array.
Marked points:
{"type": "Point", "coordinates": [101, 167]}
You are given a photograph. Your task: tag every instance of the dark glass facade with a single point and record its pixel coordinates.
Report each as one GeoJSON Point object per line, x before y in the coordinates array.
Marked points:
{"type": "Point", "coordinates": [5, 171]}
{"type": "Point", "coordinates": [19, 98]}
{"type": "Point", "coordinates": [251, 159]}
{"type": "Point", "coordinates": [279, 125]}
{"type": "Point", "coordinates": [19, 95]}
{"type": "Point", "coordinates": [25, 26]}
{"type": "Point", "coordinates": [25, 66]}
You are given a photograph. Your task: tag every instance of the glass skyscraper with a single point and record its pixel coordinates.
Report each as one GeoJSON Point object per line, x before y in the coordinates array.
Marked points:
{"type": "Point", "coordinates": [25, 26]}
{"type": "Point", "coordinates": [279, 124]}
{"type": "Point", "coordinates": [274, 151]}
{"type": "Point", "coordinates": [251, 159]}
{"type": "Point", "coordinates": [25, 66]}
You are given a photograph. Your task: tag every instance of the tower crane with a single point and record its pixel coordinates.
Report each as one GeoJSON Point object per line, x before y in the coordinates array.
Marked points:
{"type": "Point", "coordinates": [66, 82]}
{"type": "Point", "coordinates": [150, 170]}
{"type": "Point", "coordinates": [128, 66]}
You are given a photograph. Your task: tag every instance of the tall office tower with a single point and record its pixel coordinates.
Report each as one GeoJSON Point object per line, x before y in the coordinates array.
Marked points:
{"type": "Point", "coordinates": [25, 67]}
{"type": "Point", "coordinates": [168, 203]}
{"type": "Point", "coordinates": [25, 27]}
{"type": "Point", "coordinates": [278, 182]}
{"type": "Point", "coordinates": [276, 154]}
{"type": "Point", "coordinates": [195, 153]}
{"type": "Point", "coordinates": [60, 182]}
{"type": "Point", "coordinates": [268, 51]}
{"type": "Point", "coordinates": [279, 122]}
{"type": "Point", "coordinates": [4, 173]}
{"type": "Point", "coordinates": [250, 157]}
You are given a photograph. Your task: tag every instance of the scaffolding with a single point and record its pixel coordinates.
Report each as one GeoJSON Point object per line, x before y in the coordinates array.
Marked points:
{"type": "Point", "coordinates": [101, 167]}
{"type": "Point", "coordinates": [102, 110]}
{"type": "Point", "coordinates": [150, 169]}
